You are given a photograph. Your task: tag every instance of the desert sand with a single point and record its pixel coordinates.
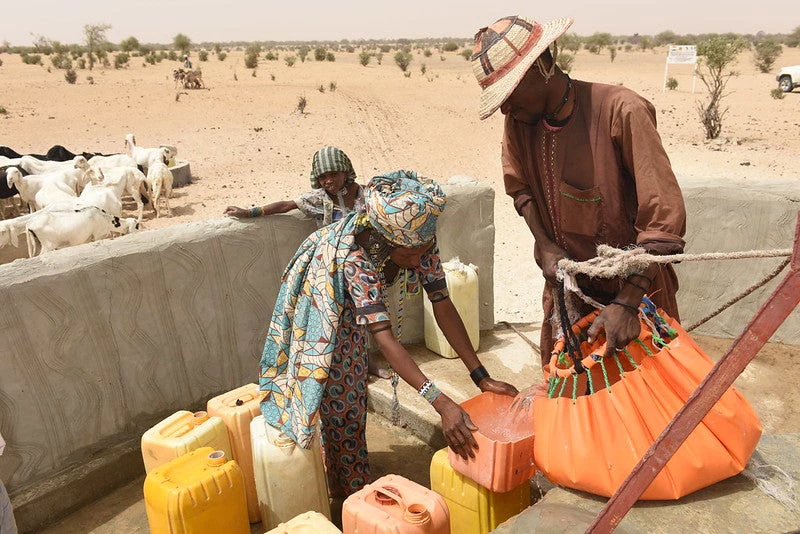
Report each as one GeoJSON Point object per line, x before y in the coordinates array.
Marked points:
{"type": "Point", "coordinates": [248, 147]}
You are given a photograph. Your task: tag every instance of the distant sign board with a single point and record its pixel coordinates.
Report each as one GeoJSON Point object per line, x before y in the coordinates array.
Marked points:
{"type": "Point", "coordinates": [682, 55]}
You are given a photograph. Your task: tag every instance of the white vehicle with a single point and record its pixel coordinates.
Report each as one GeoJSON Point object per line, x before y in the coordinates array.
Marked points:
{"type": "Point", "coordinates": [788, 78]}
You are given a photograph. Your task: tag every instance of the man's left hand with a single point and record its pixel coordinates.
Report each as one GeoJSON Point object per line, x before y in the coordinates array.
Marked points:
{"type": "Point", "coordinates": [620, 324]}
{"type": "Point", "coordinates": [496, 386]}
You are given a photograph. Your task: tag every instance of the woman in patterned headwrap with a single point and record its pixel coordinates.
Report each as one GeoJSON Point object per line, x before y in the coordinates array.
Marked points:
{"type": "Point", "coordinates": [334, 193]}
{"type": "Point", "coordinates": [314, 363]}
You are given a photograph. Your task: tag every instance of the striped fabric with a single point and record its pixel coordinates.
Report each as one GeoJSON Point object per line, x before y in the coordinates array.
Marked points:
{"type": "Point", "coordinates": [330, 159]}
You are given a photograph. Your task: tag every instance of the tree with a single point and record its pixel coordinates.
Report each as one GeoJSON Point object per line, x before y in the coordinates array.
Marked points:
{"type": "Point", "coordinates": [666, 37]}
{"type": "Point", "coordinates": [597, 41]}
{"type": "Point", "coordinates": [717, 53]}
{"type": "Point", "coordinates": [793, 39]}
{"type": "Point", "coordinates": [570, 41]}
{"type": "Point", "coordinates": [766, 54]}
{"type": "Point", "coordinates": [302, 52]}
{"type": "Point", "coordinates": [403, 59]}
{"type": "Point", "coordinates": [130, 44]}
{"type": "Point", "coordinates": [182, 42]}
{"type": "Point", "coordinates": [364, 58]}
{"type": "Point", "coordinates": [319, 54]}
{"type": "Point", "coordinates": [95, 38]}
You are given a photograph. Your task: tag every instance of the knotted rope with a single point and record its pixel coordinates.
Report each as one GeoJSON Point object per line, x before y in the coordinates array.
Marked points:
{"type": "Point", "coordinates": [613, 262]}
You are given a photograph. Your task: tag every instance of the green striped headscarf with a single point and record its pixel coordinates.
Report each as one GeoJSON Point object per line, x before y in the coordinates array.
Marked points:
{"type": "Point", "coordinates": [331, 159]}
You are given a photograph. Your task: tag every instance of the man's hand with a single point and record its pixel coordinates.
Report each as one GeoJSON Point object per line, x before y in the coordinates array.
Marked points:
{"type": "Point", "coordinates": [239, 213]}
{"type": "Point", "coordinates": [496, 386]}
{"type": "Point", "coordinates": [620, 324]}
{"type": "Point", "coordinates": [550, 256]}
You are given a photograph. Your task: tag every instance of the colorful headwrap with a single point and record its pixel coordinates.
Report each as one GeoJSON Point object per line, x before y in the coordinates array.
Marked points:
{"type": "Point", "coordinates": [403, 208]}
{"type": "Point", "coordinates": [331, 159]}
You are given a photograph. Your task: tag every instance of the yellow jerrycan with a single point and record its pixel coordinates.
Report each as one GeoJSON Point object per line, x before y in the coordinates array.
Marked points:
{"type": "Point", "coordinates": [237, 408]}
{"type": "Point", "coordinates": [201, 492]}
{"type": "Point", "coordinates": [307, 523]}
{"type": "Point", "coordinates": [290, 480]}
{"type": "Point", "coordinates": [180, 433]}
{"type": "Point", "coordinates": [473, 508]}
{"type": "Point", "coordinates": [462, 284]}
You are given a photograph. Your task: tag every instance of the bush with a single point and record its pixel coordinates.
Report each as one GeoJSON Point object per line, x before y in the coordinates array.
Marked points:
{"type": "Point", "coordinates": [777, 93]}
{"type": "Point", "coordinates": [121, 60]}
{"type": "Point", "coordinates": [202, 55]}
{"type": "Point", "coordinates": [423, 68]}
{"type": "Point", "coordinates": [272, 77]}
{"type": "Point", "coordinates": [129, 45]}
{"type": "Point", "coordinates": [289, 60]}
{"type": "Point", "coordinates": [221, 56]}
{"type": "Point", "coordinates": [364, 58]}
{"type": "Point", "coordinates": [1, 62]}
{"type": "Point", "coordinates": [70, 76]}
{"type": "Point", "coordinates": [466, 54]}
{"type": "Point", "coordinates": [251, 59]}
{"type": "Point", "coordinates": [271, 56]}
{"type": "Point", "coordinates": [612, 53]}
{"type": "Point", "coordinates": [403, 60]}
{"type": "Point", "coordinates": [379, 58]}
{"type": "Point", "coordinates": [385, 49]}
{"type": "Point", "coordinates": [3, 111]}
{"type": "Point", "coordinates": [407, 74]}
{"type": "Point", "coordinates": [61, 61]}
{"type": "Point", "coordinates": [301, 104]}
{"type": "Point", "coordinates": [172, 56]}
{"type": "Point", "coordinates": [81, 63]}
{"type": "Point", "coordinates": [31, 59]}
{"type": "Point", "coordinates": [319, 54]}
{"type": "Point", "coordinates": [427, 52]}
{"type": "Point", "coordinates": [332, 87]}
{"type": "Point", "coordinates": [564, 61]}
{"type": "Point", "coordinates": [442, 58]}
{"type": "Point", "coordinates": [321, 88]}
{"type": "Point", "coordinates": [450, 46]}
{"type": "Point", "coordinates": [330, 57]}
{"type": "Point", "coordinates": [672, 83]}
{"type": "Point", "coordinates": [765, 54]}
{"type": "Point", "coordinates": [717, 54]}
{"type": "Point", "coordinates": [90, 79]}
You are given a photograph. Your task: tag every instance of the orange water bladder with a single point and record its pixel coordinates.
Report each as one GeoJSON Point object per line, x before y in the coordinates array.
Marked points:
{"type": "Point", "coordinates": [593, 427]}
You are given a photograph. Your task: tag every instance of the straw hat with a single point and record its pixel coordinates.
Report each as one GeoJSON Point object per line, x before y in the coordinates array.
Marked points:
{"type": "Point", "coordinates": [505, 51]}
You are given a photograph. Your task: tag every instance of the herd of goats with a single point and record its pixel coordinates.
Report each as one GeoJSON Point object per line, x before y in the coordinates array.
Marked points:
{"type": "Point", "coordinates": [63, 199]}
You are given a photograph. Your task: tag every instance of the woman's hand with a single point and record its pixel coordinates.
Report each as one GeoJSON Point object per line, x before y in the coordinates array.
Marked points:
{"type": "Point", "coordinates": [496, 386]}
{"type": "Point", "coordinates": [457, 427]}
{"type": "Point", "coordinates": [524, 401]}
{"type": "Point", "coordinates": [239, 213]}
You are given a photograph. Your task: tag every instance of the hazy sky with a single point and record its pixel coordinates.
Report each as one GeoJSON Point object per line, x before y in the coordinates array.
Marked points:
{"type": "Point", "coordinates": [250, 20]}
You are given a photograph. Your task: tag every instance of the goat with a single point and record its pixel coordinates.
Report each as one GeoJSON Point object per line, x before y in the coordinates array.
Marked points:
{"type": "Point", "coordinates": [124, 179]}
{"type": "Point", "coordinates": [37, 166]}
{"type": "Point", "coordinates": [114, 160]}
{"type": "Point", "coordinates": [101, 196]}
{"type": "Point", "coordinates": [143, 156]}
{"type": "Point", "coordinates": [59, 228]}
{"type": "Point", "coordinates": [28, 186]}
{"type": "Point", "coordinates": [159, 180]}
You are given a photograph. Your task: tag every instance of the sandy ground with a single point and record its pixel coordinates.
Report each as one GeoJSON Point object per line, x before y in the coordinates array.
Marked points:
{"type": "Point", "coordinates": [247, 147]}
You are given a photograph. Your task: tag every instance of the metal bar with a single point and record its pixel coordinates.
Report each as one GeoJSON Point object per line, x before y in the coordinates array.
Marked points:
{"type": "Point", "coordinates": [757, 332]}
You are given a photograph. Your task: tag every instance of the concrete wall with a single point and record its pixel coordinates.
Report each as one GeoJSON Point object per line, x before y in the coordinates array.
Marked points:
{"type": "Point", "coordinates": [755, 215]}
{"type": "Point", "coordinates": [102, 339]}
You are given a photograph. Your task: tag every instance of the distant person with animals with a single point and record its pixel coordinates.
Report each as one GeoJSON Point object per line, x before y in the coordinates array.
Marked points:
{"type": "Point", "coordinates": [187, 65]}
{"type": "Point", "coordinates": [584, 165]}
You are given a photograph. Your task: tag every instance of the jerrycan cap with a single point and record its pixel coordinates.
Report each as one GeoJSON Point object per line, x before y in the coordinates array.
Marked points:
{"type": "Point", "coordinates": [199, 418]}
{"type": "Point", "coordinates": [239, 402]}
{"type": "Point", "coordinates": [217, 458]}
{"type": "Point", "coordinates": [416, 514]}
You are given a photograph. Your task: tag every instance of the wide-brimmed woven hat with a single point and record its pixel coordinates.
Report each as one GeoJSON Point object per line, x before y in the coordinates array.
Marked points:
{"type": "Point", "coordinates": [505, 51]}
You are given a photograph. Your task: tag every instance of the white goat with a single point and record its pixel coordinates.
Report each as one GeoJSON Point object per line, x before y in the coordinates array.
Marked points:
{"type": "Point", "coordinates": [52, 193]}
{"type": "Point", "coordinates": [123, 180]}
{"type": "Point", "coordinates": [114, 160]}
{"type": "Point", "coordinates": [159, 181]}
{"type": "Point", "coordinates": [37, 166]}
{"type": "Point", "coordinates": [143, 156]}
{"type": "Point", "coordinates": [11, 229]}
{"type": "Point", "coordinates": [28, 186]}
{"type": "Point", "coordinates": [51, 230]}
{"type": "Point", "coordinates": [103, 197]}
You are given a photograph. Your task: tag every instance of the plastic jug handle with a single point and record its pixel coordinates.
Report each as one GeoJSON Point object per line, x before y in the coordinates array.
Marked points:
{"type": "Point", "coordinates": [415, 514]}
{"type": "Point", "coordinates": [392, 495]}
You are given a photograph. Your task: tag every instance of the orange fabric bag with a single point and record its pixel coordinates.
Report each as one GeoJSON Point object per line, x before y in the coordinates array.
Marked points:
{"type": "Point", "coordinates": [592, 428]}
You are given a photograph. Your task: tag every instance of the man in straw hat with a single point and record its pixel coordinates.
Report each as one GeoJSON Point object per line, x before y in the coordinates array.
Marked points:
{"type": "Point", "coordinates": [585, 166]}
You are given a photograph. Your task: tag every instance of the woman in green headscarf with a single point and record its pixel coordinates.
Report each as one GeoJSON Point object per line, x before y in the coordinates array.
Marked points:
{"type": "Point", "coordinates": [314, 363]}
{"type": "Point", "coordinates": [334, 191]}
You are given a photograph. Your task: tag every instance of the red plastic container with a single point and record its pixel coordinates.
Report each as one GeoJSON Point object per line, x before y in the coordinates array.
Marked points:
{"type": "Point", "coordinates": [504, 458]}
{"type": "Point", "coordinates": [395, 505]}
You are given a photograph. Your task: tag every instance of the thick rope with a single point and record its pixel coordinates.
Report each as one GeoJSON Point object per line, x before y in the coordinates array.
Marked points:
{"type": "Point", "coordinates": [612, 262]}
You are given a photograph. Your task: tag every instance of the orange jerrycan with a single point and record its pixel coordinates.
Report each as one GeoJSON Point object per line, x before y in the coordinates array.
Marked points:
{"type": "Point", "coordinates": [289, 479]}
{"type": "Point", "coordinates": [473, 508]}
{"type": "Point", "coordinates": [201, 492]}
{"type": "Point", "coordinates": [180, 433]}
{"type": "Point", "coordinates": [504, 458]}
{"type": "Point", "coordinates": [236, 409]}
{"type": "Point", "coordinates": [307, 523]}
{"type": "Point", "coordinates": [395, 505]}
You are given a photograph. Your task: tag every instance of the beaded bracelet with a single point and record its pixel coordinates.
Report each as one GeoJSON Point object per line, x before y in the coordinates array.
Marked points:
{"type": "Point", "coordinates": [429, 391]}
{"type": "Point", "coordinates": [256, 212]}
{"type": "Point", "coordinates": [478, 374]}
